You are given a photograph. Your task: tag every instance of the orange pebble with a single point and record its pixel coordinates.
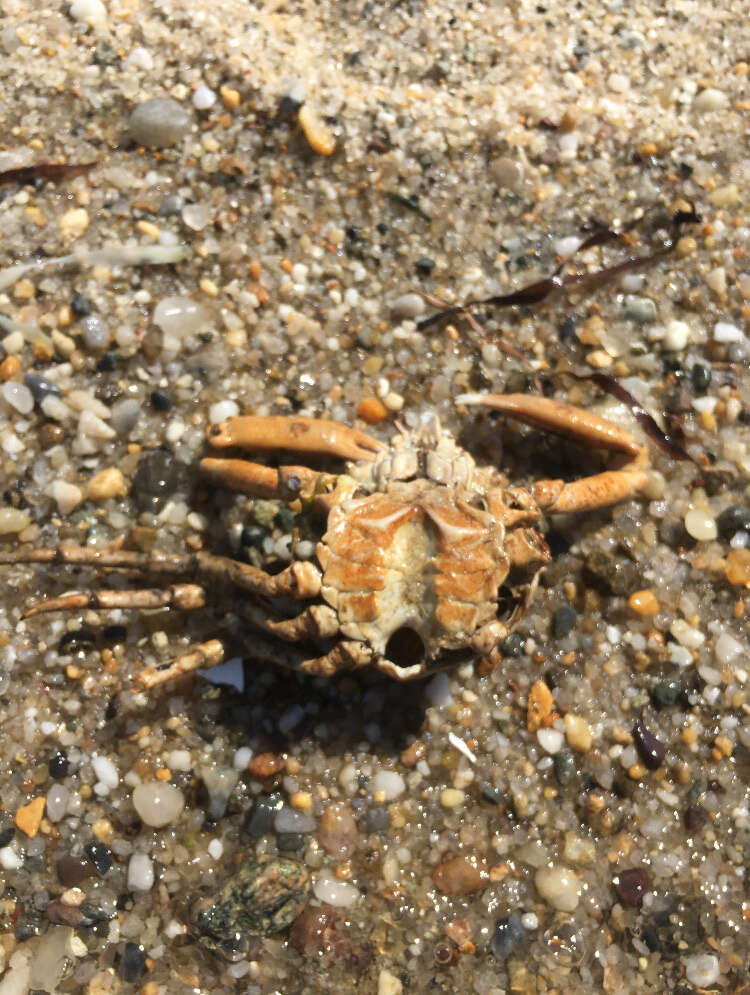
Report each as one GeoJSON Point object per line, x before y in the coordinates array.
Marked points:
{"type": "Point", "coordinates": [372, 410]}
{"type": "Point", "coordinates": [643, 602]}
{"type": "Point", "coordinates": [9, 367]}
{"type": "Point", "coordinates": [738, 567]}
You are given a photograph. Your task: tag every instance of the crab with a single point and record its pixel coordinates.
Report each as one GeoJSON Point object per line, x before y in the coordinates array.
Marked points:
{"type": "Point", "coordinates": [425, 558]}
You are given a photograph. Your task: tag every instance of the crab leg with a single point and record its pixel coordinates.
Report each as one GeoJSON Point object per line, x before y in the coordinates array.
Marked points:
{"type": "Point", "coordinates": [208, 654]}
{"type": "Point", "coordinates": [346, 655]}
{"type": "Point", "coordinates": [271, 433]}
{"type": "Point", "coordinates": [285, 483]}
{"type": "Point", "coordinates": [315, 622]}
{"type": "Point", "coordinates": [596, 491]}
{"type": "Point", "coordinates": [298, 580]}
{"type": "Point", "coordinates": [185, 597]}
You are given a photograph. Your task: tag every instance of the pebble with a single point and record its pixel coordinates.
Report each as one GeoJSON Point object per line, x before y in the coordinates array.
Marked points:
{"type": "Point", "coordinates": [73, 223]}
{"type": "Point", "coordinates": [695, 818]}
{"type": "Point", "coordinates": [676, 336]}
{"type": "Point", "coordinates": [372, 410]}
{"type": "Point", "coordinates": [203, 98]}
{"type": "Point", "coordinates": [222, 410]}
{"type": "Point", "coordinates": [452, 798]}
{"type": "Point", "coordinates": [155, 480]}
{"type": "Point", "coordinates": [141, 874]}
{"type": "Point", "coordinates": [57, 801]}
{"type": "Point", "coordinates": [161, 400]}
{"type": "Point", "coordinates": [687, 635]}
{"type": "Point", "coordinates": [12, 520]}
{"type": "Point", "coordinates": [641, 310]}
{"type": "Point", "coordinates": [318, 134]}
{"type": "Point", "coordinates": [702, 970]}
{"type": "Point", "coordinates": [563, 621]}
{"type": "Point", "coordinates": [91, 12]}
{"type": "Point", "coordinates": [132, 964]}
{"type": "Point", "coordinates": [260, 818]}
{"type": "Point", "coordinates": [66, 496]}
{"type": "Point", "coordinates": [265, 765]}
{"type": "Point", "coordinates": [100, 856]}
{"type": "Point", "coordinates": [463, 875]}
{"type": "Point", "coordinates": [701, 525]}
{"type": "Point", "coordinates": [630, 887]}
{"type": "Point", "coordinates": [540, 705]}
{"type": "Point", "coordinates": [559, 886]}
{"type": "Point", "coordinates": [735, 518]}
{"type": "Point", "coordinates": [578, 733]}
{"type": "Point", "coordinates": [408, 306]}
{"type": "Point", "coordinates": [550, 740]}
{"type": "Point", "coordinates": [72, 870]}
{"type": "Point", "coordinates": [28, 818]}
{"type": "Point", "coordinates": [125, 415]}
{"type": "Point", "coordinates": [725, 332]}
{"type": "Point", "coordinates": [377, 819]}
{"type": "Point", "coordinates": [41, 388]}
{"type": "Point", "coordinates": [158, 803]}
{"type": "Point", "coordinates": [219, 783]}
{"type": "Point", "coordinates": [107, 483]}
{"type": "Point", "coordinates": [337, 832]}
{"type": "Point", "coordinates": [509, 933]}
{"type": "Point", "coordinates": [565, 767]}
{"type": "Point", "coordinates": [158, 122]}
{"type": "Point", "coordinates": [649, 747]}
{"type": "Point", "coordinates": [105, 771]}
{"type": "Point", "coordinates": [737, 568]}
{"type": "Point", "coordinates": [331, 891]}
{"type": "Point", "coordinates": [727, 649]}
{"type": "Point", "coordinates": [18, 396]}
{"type": "Point", "coordinates": [643, 602]}
{"type": "Point", "coordinates": [389, 784]}
{"type": "Point", "coordinates": [289, 820]}
{"type": "Point", "coordinates": [389, 984]}
{"type": "Point", "coordinates": [709, 100]}
{"type": "Point", "coordinates": [667, 692]}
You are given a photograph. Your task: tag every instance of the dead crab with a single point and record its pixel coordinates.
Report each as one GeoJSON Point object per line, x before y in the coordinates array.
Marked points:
{"type": "Point", "coordinates": [425, 558]}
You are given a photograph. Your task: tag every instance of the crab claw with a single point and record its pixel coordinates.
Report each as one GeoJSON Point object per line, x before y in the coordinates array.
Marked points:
{"type": "Point", "coordinates": [271, 433]}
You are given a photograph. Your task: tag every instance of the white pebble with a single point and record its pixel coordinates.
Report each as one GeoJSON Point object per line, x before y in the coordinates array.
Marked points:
{"type": "Point", "coordinates": [215, 849]}
{"type": "Point", "coordinates": [10, 858]}
{"type": "Point", "coordinates": [92, 426]}
{"type": "Point", "coordinates": [105, 771]}
{"type": "Point", "coordinates": [702, 970]}
{"type": "Point", "coordinates": [289, 820]}
{"type": "Point", "coordinates": [390, 783]}
{"type": "Point", "coordinates": [140, 58]}
{"type": "Point", "coordinates": [330, 891]}
{"type": "Point", "coordinates": [57, 800]}
{"type": "Point", "coordinates": [725, 332]}
{"type": "Point", "coordinates": [408, 306]}
{"type": "Point", "coordinates": [686, 635]}
{"type": "Point", "coordinates": [66, 496]}
{"type": "Point", "coordinates": [727, 649]}
{"type": "Point", "coordinates": [550, 740]}
{"type": "Point", "coordinates": [203, 98]}
{"type": "Point", "coordinates": [91, 12]}
{"type": "Point", "coordinates": [242, 758]}
{"type": "Point", "coordinates": [19, 397]}
{"type": "Point", "coordinates": [13, 520]}
{"type": "Point", "coordinates": [676, 336]}
{"type": "Point", "coordinates": [710, 99]}
{"type": "Point", "coordinates": [179, 760]}
{"type": "Point", "coordinates": [158, 803]}
{"type": "Point", "coordinates": [179, 317]}
{"type": "Point", "coordinates": [530, 920]}
{"type": "Point", "coordinates": [559, 886]}
{"type": "Point", "coordinates": [438, 691]}
{"type": "Point", "coordinates": [701, 525]}
{"type": "Point", "coordinates": [140, 872]}
{"type": "Point", "coordinates": [567, 246]}
{"type": "Point", "coordinates": [223, 410]}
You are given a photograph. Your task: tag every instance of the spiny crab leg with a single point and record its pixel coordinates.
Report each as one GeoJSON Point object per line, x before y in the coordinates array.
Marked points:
{"type": "Point", "coordinates": [285, 483]}
{"type": "Point", "coordinates": [209, 654]}
{"type": "Point", "coordinates": [596, 491]}
{"type": "Point", "coordinates": [315, 622]}
{"type": "Point", "coordinates": [272, 433]}
{"type": "Point", "coordinates": [300, 579]}
{"type": "Point", "coordinates": [185, 597]}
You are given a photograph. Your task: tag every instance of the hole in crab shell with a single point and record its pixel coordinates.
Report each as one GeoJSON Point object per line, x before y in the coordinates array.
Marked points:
{"type": "Point", "coordinates": [405, 647]}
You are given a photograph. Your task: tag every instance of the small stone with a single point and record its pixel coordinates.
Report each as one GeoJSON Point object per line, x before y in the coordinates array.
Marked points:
{"type": "Point", "coordinates": [94, 333]}
{"type": "Point", "coordinates": [464, 875]}
{"type": "Point", "coordinates": [559, 886]}
{"type": "Point", "coordinates": [318, 134]}
{"type": "Point", "coordinates": [230, 97]}
{"type": "Point", "coordinates": [158, 803]}
{"type": "Point", "coordinates": [219, 783]}
{"type": "Point", "coordinates": [132, 964]}
{"type": "Point", "coordinates": [408, 306]}
{"type": "Point", "coordinates": [66, 496]}
{"type": "Point", "coordinates": [650, 748]}
{"type": "Point", "coordinates": [100, 856]}
{"type": "Point", "coordinates": [91, 12]}
{"type": "Point", "coordinates": [13, 520]}
{"type": "Point", "coordinates": [18, 396]}
{"type": "Point", "coordinates": [57, 802]}
{"type": "Point", "coordinates": [667, 692]}
{"type": "Point", "coordinates": [161, 400]}
{"type": "Point", "coordinates": [539, 707]}
{"type": "Point", "coordinates": [700, 377]}
{"type": "Point", "coordinates": [72, 871]}
{"type": "Point", "coordinates": [702, 970]}
{"type": "Point", "coordinates": [264, 765]}
{"type": "Point", "coordinates": [735, 518]}
{"type": "Point", "coordinates": [389, 984]}
{"type": "Point", "coordinates": [695, 818]}
{"type": "Point", "coordinates": [509, 933]}
{"type": "Point", "coordinates": [106, 484]}
{"type": "Point", "coordinates": [289, 820]}
{"type": "Point", "coordinates": [452, 798]}
{"type": "Point", "coordinates": [158, 122]}
{"type": "Point", "coordinates": [291, 842]}
{"type": "Point", "coordinates": [337, 832]}
{"type": "Point", "coordinates": [724, 332]}
{"type": "Point", "coordinates": [73, 223]}
{"type": "Point", "coordinates": [331, 891]}
{"type": "Point", "coordinates": [372, 410]}
{"type": "Point", "coordinates": [389, 784]}
{"type": "Point", "coordinates": [643, 602]}
{"type": "Point", "coordinates": [676, 336]}
{"type": "Point", "coordinates": [611, 574]}
{"type": "Point", "coordinates": [563, 621]}
{"type": "Point", "coordinates": [28, 818]}
{"type": "Point", "coordinates": [80, 306]}
{"type": "Point", "coordinates": [155, 480]}
{"type": "Point", "coordinates": [737, 568]}
{"type": "Point", "coordinates": [203, 98]}
{"type": "Point", "coordinates": [550, 740]}
{"type": "Point", "coordinates": [630, 887]}
{"type": "Point", "coordinates": [377, 819]}
{"type": "Point", "coordinates": [701, 525]}
{"type": "Point", "coordinates": [578, 733]}
{"type": "Point", "coordinates": [40, 387]}
{"type": "Point", "coordinates": [141, 875]}
{"type": "Point", "coordinates": [641, 310]}
{"type": "Point", "coordinates": [709, 100]}
{"type": "Point", "coordinates": [726, 196]}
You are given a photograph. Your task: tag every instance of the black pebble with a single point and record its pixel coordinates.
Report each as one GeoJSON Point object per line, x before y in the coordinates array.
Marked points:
{"type": "Point", "coordinates": [735, 518]}
{"type": "Point", "coordinates": [6, 835]}
{"type": "Point", "coordinates": [564, 766]}
{"type": "Point", "coordinates": [650, 748]}
{"type": "Point", "coordinates": [80, 306]}
{"type": "Point", "coordinates": [100, 856]}
{"type": "Point", "coordinates": [508, 934]}
{"type": "Point", "coordinates": [291, 842]}
{"type": "Point", "coordinates": [666, 693]}
{"type": "Point", "coordinates": [490, 793]}
{"type": "Point", "coordinates": [132, 964]}
{"type": "Point", "coordinates": [58, 766]}
{"type": "Point", "coordinates": [513, 645]}
{"type": "Point", "coordinates": [41, 388]}
{"type": "Point", "coordinates": [253, 536]}
{"type": "Point", "coordinates": [424, 266]}
{"type": "Point", "coordinates": [107, 362]}
{"type": "Point", "coordinates": [700, 377]}
{"type": "Point", "coordinates": [563, 621]}
{"type": "Point", "coordinates": [259, 819]}
{"type": "Point", "coordinates": [161, 400]}
{"type": "Point", "coordinates": [695, 818]}
{"type": "Point", "coordinates": [155, 480]}
{"type": "Point", "coordinates": [631, 886]}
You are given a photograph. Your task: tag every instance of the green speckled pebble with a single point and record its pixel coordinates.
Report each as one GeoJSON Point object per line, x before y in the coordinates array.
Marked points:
{"type": "Point", "coordinates": [264, 896]}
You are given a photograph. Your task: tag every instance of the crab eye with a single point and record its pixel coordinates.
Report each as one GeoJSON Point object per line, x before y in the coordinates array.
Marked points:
{"type": "Point", "coordinates": [405, 647]}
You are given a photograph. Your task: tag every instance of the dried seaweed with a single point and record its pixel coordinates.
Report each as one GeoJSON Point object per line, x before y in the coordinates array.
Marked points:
{"type": "Point", "coordinates": [600, 235]}
{"type": "Point", "coordinates": [45, 171]}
